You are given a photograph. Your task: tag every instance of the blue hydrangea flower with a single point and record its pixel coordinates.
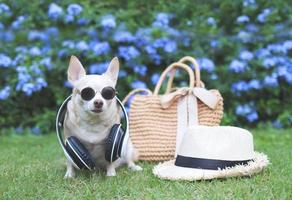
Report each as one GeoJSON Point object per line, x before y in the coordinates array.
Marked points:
{"type": "Point", "coordinates": [40, 83]}
{"type": "Point", "coordinates": [262, 53]}
{"type": "Point", "coordinates": [20, 57]}
{"type": "Point", "coordinates": [35, 51]}
{"type": "Point", "coordinates": [18, 22]}
{"type": "Point", "coordinates": [4, 9]}
{"type": "Point", "coordinates": [150, 49]}
{"type": "Point", "coordinates": [159, 43]}
{"type": "Point", "coordinates": [206, 64]}
{"type": "Point", "coordinates": [98, 68]}
{"type": "Point", "coordinates": [28, 88]}
{"type": "Point", "coordinates": [82, 46]}
{"type": "Point", "coordinates": [271, 80]}
{"type": "Point", "coordinates": [55, 11]}
{"type": "Point", "coordinates": [155, 58]}
{"type": "Point", "coordinates": [100, 48]}
{"type": "Point", "coordinates": [5, 61]}
{"type": "Point", "coordinates": [128, 52]}
{"type": "Point", "coordinates": [240, 86]}
{"type": "Point", "coordinates": [138, 84]}
{"type": "Point", "coordinates": [269, 62]}
{"type": "Point", "coordinates": [214, 77]}
{"type": "Point", "coordinates": [5, 92]}
{"type": "Point", "coordinates": [247, 111]}
{"type": "Point", "coordinates": [46, 62]}
{"type": "Point", "coordinates": [242, 19]}
{"type": "Point", "coordinates": [19, 130]}
{"type": "Point", "coordinates": [264, 14]}
{"type": "Point", "coordinates": [252, 28]}
{"type": "Point", "coordinates": [21, 49]}
{"type": "Point", "coordinates": [252, 117]}
{"type": "Point", "coordinates": [36, 130]}
{"type": "Point", "coordinates": [246, 55]}
{"type": "Point", "coordinates": [243, 109]}
{"type": "Point", "coordinates": [52, 31]}
{"type": "Point", "coordinates": [140, 69]}
{"type": "Point", "coordinates": [288, 45]}
{"type": "Point", "coordinates": [124, 36]}
{"type": "Point", "coordinates": [68, 84]}
{"type": "Point", "coordinates": [237, 66]}
{"type": "Point", "coordinates": [284, 71]}
{"type": "Point", "coordinates": [46, 49]}
{"type": "Point", "coordinates": [170, 46]}
{"type": "Point", "coordinates": [1, 26]}
{"type": "Point", "coordinates": [123, 73]}
{"type": "Point", "coordinates": [23, 77]}
{"type": "Point", "coordinates": [162, 20]}
{"type": "Point", "coordinates": [214, 43]}
{"type": "Point", "coordinates": [74, 9]}
{"type": "Point", "coordinates": [92, 33]}
{"type": "Point", "coordinates": [244, 36]}
{"type": "Point", "coordinates": [36, 70]}
{"type": "Point", "coordinates": [277, 124]}
{"type": "Point", "coordinates": [186, 40]}
{"type": "Point", "coordinates": [155, 78]}
{"type": "Point", "coordinates": [277, 48]}
{"type": "Point", "coordinates": [211, 21]}
{"type": "Point", "coordinates": [37, 35]}
{"type": "Point", "coordinates": [69, 18]}
{"type": "Point", "coordinates": [143, 36]}
{"type": "Point", "coordinates": [63, 53]}
{"type": "Point", "coordinates": [69, 44]}
{"type": "Point", "coordinates": [82, 21]}
{"type": "Point", "coordinates": [249, 3]}
{"type": "Point", "coordinates": [254, 84]}
{"type": "Point", "coordinates": [108, 21]}
{"type": "Point", "coordinates": [7, 36]}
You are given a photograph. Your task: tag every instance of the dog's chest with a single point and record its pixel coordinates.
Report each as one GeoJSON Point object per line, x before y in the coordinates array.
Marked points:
{"type": "Point", "coordinates": [97, 149]}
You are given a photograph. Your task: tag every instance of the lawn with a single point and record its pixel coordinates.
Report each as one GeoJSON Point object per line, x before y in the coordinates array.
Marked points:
{"type": "Point", "coordinates": [32, 167]}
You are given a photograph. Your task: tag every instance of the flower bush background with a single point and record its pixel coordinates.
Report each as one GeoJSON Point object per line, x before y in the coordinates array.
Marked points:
{"type": "Point", "coordinates": [243, 48]}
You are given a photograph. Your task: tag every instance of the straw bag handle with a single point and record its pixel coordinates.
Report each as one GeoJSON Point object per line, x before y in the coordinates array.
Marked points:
{"type": "Point", "coordinates": [135, 91]}
{"type": "Point", "coordinates": [185, 59]}
{"type": "Point", "coordinates": [171, 67]}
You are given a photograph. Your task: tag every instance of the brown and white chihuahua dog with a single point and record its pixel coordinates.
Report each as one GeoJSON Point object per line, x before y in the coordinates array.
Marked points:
{"type": "Point", "coordinates": [91, 120]}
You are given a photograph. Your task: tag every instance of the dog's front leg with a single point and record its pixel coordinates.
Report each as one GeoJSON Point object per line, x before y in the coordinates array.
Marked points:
{"type": "Point", "coordinates": [111, 170]}
{"type": "Point", "coordinates": [70, 173]}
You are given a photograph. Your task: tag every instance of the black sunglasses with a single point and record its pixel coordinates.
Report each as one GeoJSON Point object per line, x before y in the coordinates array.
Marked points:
{"type": "Point", "coordinates": [88, 93]}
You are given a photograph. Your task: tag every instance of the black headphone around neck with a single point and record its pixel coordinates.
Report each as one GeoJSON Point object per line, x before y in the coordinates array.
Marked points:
{"type": "Point", "coordinates": [77, 153]}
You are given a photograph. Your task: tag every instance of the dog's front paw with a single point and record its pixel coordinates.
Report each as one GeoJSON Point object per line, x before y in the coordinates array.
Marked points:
{"type": "Point", "coordinates": [136, 168]}
{"type": "Point", "coordinates": [111, 173]}
{"type": "Point", "coordinates": [69, 174]}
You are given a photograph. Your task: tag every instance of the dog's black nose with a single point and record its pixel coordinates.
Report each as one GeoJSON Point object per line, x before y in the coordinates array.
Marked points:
{"type": "Point", "coordinates": [98, 103]}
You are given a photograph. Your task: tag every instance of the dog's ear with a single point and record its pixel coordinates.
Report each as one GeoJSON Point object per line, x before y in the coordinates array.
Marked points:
{"type": "Point", "coordinates": [75, 70]}
{"type": "Point", "coordinates": [113, 70]}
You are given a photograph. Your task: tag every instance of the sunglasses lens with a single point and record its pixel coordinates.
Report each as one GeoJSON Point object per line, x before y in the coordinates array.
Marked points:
{"type": "Point", "coordinates": [108, 93]}
{"type": "Point", "coordinates": [87, 93]}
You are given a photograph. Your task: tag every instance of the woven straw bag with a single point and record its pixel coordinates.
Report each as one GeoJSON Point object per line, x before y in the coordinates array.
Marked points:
{"type": "Point", "coordinates": [153, 127]}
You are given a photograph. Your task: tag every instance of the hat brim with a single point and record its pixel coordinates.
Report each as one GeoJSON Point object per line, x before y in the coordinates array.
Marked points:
{"type": "Point", "coordinates": [168, 170]}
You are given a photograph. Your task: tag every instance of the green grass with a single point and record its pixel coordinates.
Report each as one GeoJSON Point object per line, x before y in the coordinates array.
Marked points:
{"type": "Point", "coordinates": [32, 167]}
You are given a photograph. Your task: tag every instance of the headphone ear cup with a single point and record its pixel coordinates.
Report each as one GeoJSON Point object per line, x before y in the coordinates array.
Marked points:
{"type": "Point", "coordinates": [79, 153]}
{"type": "Point", "coordinates": [113, 143]}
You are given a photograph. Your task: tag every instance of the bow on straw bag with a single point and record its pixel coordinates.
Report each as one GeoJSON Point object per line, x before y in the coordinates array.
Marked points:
{"type": "Point", "coordinates": [158, 122]}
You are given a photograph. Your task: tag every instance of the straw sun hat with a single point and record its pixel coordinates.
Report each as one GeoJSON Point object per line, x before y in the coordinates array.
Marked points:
{"type": "Point", "coordinates": [213, 152]}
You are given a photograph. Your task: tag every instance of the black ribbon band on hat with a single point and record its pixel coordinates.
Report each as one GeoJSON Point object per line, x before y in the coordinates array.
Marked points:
{"type": "Point", "coordinates": [202, 163]}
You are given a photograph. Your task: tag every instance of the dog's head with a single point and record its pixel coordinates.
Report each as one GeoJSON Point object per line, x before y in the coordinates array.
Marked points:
{"type": "Point", "coordinates": [93, 94]}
